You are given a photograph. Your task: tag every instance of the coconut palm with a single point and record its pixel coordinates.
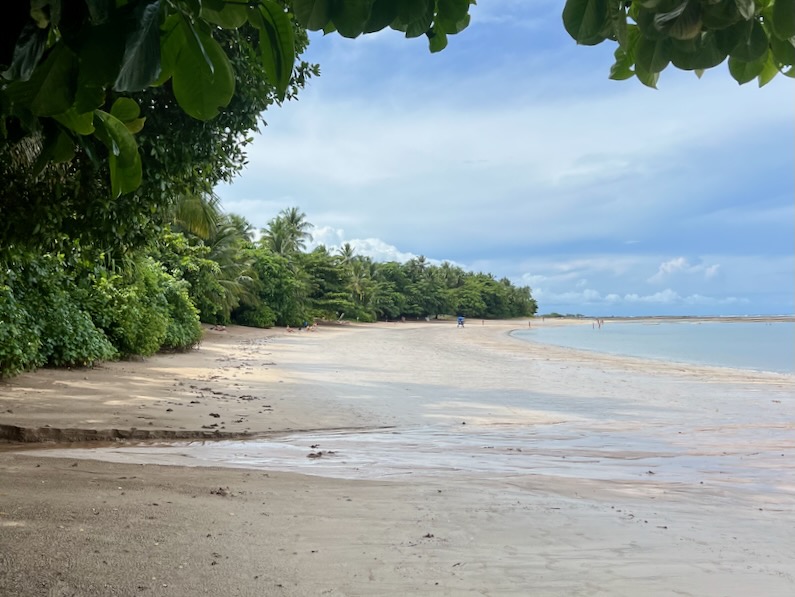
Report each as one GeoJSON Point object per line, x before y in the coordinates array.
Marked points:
{"type": "Point", "coordinates": [197, 214]}
{"type": "Point", "coordinates": [347, 253]}
{"type": "Point", "coordinates": [287, 233]}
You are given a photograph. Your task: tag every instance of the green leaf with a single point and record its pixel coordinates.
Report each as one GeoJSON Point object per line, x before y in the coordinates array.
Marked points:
{"type": "Point", "coordinates": [684, 22]}
{"type": "Point", "coordinates": [743, 72]}
{"type": "Point", "coordinates": [51, 88]}
{"type": "Point", "coordinates": [625, 55]}
{"type": "Point", "coordinates": [769, 71]}
{"type": "Point", "coordinates": [450, 15]}
{"type": "Point", "coordinates": [622, 69]}
{"type": "Point", "coordinates": [645, 21]}
{"type": "Point", "coordinates": [720, 15]}
{"type": "Point", "coordinates": [100, 58]}
{"type": "Point", "coordinates": [649, 79]}
{"type": "Point", "coordinates": [415, 17]}
{"type": "Point", "coordinates": [729, 38]}
{"type": "Point", "coordinates": [382, 14]}
{"type": "Point", "coordinates": [351, 16]}
{"type": "Point", "coordinates": [753, 46]}
{"type": "Point", "coordinates": [783, 52]}
{"type": "Point", "coordinates": [172, 40]}
{"type": "Point", "coordinates": [618, 20]}
{"type": "Point", "coordinates": [140, 65]}
{"type": "Point", "coordinates": [195, 42]}
{"type": "Point", "coordinates": [82, 124]}
{"type": "Point", "coordinates": [123, 159]}
{"type": "Point", "coordinates": [231, 16]}
{"type": "Point", "coordinates": [63, 149]}
{"type": "Point", "coordinates": [27, 53]}
{"type": "Point", "coordinates": [119, 141]}
{"type": "Point", "coordinates": [437, 41]}
{"type": "Point", "coordinates": [200, 91]}
{"type": "Point", "coordinates": [584, 20]}
{"type": "Point", "coordinates": [125, 109]}
{"type": "Point", "coordinates": [124, 179]}
{"type": "Point", "coordinates": [698, 54]}
{"type": "Point", "coordinates": [746, 8]}
{"type": "Point", "coordinates": [277, 45]}
{"type": "Point", "coordinates": [312, 14]}
{"type": "Point", "coordinates": [135, 126]}
{"type": "Point", "coordinates": [653, 55]}
{"type": "Point", "coordinates": [784, 19]}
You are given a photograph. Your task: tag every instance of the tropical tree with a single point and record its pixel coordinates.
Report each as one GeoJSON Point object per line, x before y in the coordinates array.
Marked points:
{"type": "Point", "coordinates": [287, 233]}
{"type": "Point", "coordinates": [73, 193]}
{"type": "Point", "coordinates": [347, 253]}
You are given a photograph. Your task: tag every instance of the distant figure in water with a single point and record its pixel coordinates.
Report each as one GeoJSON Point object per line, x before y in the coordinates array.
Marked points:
{"type": "Point", "coordinates": [460, 321]}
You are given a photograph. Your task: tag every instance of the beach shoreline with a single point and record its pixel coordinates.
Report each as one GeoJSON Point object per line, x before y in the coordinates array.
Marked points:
{"type": "Point", "coordinates": [632, 477]}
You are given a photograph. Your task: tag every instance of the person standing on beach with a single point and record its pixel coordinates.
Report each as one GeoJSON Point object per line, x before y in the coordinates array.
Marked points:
{"type": "Point", "coordinates": [460, 321]}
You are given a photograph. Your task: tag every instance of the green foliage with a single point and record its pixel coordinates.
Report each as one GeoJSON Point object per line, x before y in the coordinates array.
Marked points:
{"type": "Point", "coordinates": [757, 36]}
{"type": "Point", "coordinates": [183, 331]}
{"type": "Point", "coordinates": [259, 316]}
{"type": "Point", "coordinates": [64, 63]}
{"type": "Point", "coordinates": [61, 172]}
{"type": "Point", "coordinates": [277, 285]}
{"type": "Point", "coordinates": [131, 307]}
{"type": "Point", "coordinates": [20, 342]}
{"type": "Point", "coordinates": [214, 268]}
{"type": "Point", "coordinates": [436, 19]}
{"type": "Point", "coordinates": [68, 310]}
{"type": "Point", "coordinates": [44, 322]}
{"type": "Point", "coordinates": [326, 292]}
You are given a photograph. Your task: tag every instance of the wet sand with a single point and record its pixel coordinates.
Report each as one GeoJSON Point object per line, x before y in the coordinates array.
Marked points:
{"type": "Point", "coordinates": [399, 459]}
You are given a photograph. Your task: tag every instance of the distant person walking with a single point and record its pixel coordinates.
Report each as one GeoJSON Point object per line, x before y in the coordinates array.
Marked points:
{"type": "Point", "coordinates": [460, 321]}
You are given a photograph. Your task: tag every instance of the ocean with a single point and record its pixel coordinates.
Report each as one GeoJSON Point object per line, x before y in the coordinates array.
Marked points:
{"type": "Point", "coordinates": [754, 345]}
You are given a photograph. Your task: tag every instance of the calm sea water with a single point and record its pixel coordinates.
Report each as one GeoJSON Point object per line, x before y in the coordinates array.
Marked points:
{"type": "Point", "coordinates": [758, 346]}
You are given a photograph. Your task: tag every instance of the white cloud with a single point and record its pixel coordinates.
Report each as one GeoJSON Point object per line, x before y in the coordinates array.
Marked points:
{"type": "Point", "coordinates": [378, 250]}
{"type": "Point", "coordinates": [682, 265]}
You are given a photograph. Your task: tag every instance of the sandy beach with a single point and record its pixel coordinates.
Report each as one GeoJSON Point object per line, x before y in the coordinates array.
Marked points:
{"type": "Point", "coordinates": [396, 459]}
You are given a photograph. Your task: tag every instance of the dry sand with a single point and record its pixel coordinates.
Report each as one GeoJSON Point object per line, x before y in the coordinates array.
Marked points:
{"type": "Point", "coordinates": [611, 476]}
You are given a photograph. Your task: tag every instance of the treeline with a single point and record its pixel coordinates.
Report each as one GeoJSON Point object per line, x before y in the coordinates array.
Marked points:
{"type": "Point", "coordinates": [78, 306]}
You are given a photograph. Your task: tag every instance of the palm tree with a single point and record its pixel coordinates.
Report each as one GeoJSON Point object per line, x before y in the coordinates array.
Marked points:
{"type": "Point", "coordinates": [347, 252]}
{"type": "Point", "coordinates": [298, 227]}
{"type": "Point", "coordinates": [287, 233]}
{"type": "Point", "coordinates": [197, 214]}
{"type": "Point", "coordinates": [226, 244]}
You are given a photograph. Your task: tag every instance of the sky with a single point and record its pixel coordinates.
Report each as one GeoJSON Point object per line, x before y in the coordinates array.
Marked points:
{"type": "Point", "coordinates": [511, 152]}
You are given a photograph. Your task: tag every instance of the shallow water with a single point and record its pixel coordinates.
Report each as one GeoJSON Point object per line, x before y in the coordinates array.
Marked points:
{"type": "Point", "coordinates": [761, 461]}
{"type": "Point", "coordinates": [759, 346]}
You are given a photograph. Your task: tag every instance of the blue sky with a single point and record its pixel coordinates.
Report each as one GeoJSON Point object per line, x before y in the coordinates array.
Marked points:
{"type": "Point", "coordinates": [511, 152]}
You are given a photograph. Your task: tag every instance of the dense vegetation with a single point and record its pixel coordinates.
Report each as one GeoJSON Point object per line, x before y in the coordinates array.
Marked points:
{"type": "Point", "coordinates": [70, 309]}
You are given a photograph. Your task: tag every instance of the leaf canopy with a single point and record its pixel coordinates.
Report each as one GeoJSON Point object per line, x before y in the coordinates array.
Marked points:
{"type": "Point", "coordinates": [757, 36]}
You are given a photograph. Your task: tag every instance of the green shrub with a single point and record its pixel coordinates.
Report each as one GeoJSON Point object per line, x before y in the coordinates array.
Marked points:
{"type": "Point", "coordinates": [184, 330]}
{"type": "Point", "coordinates": [42, 324]}
{"type": "Point", "coordinates": [19, 337]}
{"type": "Point", "coordinates": [132, 307]}
{"type": "Point", "coordinates": [260, 316]}
{"type": "Point", "coordinates": [69, 336]}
